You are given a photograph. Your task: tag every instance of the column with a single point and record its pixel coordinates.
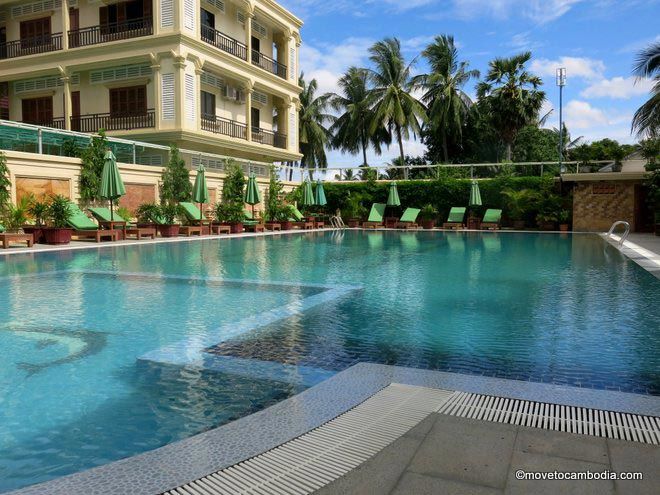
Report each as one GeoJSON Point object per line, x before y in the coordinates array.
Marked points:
{"type": "Point", "coordinates": [249, 15]}
{"type": "Point", "coordinates": [198, 99]}
{"type": "Point", "coordinates": [292, 132]}
{"type": "Point", "coordinates": [248, 110]}
{"type": "Point", "coordinates": [67, 100]}
{"type": "Point", "coordinates": [66, 25]}
{"type": "Point", "coordinates": [179, 96]}
{"type": "Point", "coordinates": [158, 101]}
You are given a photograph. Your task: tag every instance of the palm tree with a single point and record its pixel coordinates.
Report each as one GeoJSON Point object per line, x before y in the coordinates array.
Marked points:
{"type": "Point", "coordinates": [512, 97]}
{"type": "Point", "coordinates": [646, 121]}
{"type": "Point", "coordinates": [313, 137]}
{"type": "Point", "coordinates": [351, 130]}
{"type": "Point", "coordinates": [447, 103]}
{"type": "Point", "coordinates": [395, 108]}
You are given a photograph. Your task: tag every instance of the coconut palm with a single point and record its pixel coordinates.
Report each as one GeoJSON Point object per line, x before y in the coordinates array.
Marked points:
{"type": "Point", "coordinates": [646, 121]}
{"type": "Point", "coordinates": [445, 99]}
{"type": "Point", "coordinates": [351, 131]}
{"type": "Point", "coordinates": [511, 96]}
{"type": "Point", "coordinates": [313, 136]}
{"type": "Point", "coordinates": [395, 107]}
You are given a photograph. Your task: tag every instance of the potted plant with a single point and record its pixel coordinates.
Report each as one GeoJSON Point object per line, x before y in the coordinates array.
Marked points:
{"type": "Point", "coordinates": [284, 216]}
{"type": "Point", "coordinates": [38, 210]}
{"type": "Point", "coordinates": [273, 213]}
{"type": "Point", "coordinates": [232, 214]}
{"type": "Point", "coordinates": [57, 216]}
{"type": "Point", "coordinates": [546, 221]}
{"type": "Point", "coordinates": [428, 215]}
{"type": "Point", "coordinates": [146, 214]}
{"type": "Point", "coordinates": [353, 210]}
{"type": "Point", "coordinates": [168, 212]}
{"type": "Point", "coordinates": [517, 204]}
{"type": "Point", "coordinates": [563, 217]}
{"type": "Point", "coordinates": [14, 217]}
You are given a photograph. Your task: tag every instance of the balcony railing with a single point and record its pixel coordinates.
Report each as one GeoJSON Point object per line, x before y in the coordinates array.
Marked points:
{"type": "Point", "coordinates": [113, 31]}
{"type": "Point", "coordinates": [31, 46]}
{"type": "Point", "coordinates": [267, 63]}
{"type": "Point", "coordinates": [225, 43]}
{"type": "Point", "coordinates": [57, 123]}
{"type": "Point", "coordinates": [268, 137]}
{"type": "Point", "coordinates": [226, 127]}
{"type": "Point", "coordinates": [112, 122]}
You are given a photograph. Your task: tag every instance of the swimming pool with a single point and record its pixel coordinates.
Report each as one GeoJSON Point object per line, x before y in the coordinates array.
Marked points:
{"type": "Point", "coordinates": [114, 351]}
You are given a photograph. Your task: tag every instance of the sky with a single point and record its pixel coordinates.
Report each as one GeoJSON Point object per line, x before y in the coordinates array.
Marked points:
{"type": "Point", "coordinates": [595, 40]}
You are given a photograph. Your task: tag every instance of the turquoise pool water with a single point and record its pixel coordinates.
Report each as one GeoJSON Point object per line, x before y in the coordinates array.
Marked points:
{"type": "Point", "coordinates": [114, 351]}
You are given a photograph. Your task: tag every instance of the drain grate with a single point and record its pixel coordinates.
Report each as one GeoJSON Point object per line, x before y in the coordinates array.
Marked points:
{"type": "Point", "coordinates": [314, 459]}
{"type": "Point", "coordinates": [581, 420]}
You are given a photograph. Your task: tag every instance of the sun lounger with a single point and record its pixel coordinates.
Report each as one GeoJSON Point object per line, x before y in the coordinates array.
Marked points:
{"type": "Point", "coordinates": [102, 216]}
{"type": "Point", "coordinates": [455, 218]}
{"type": "Point", "coordinates": [193, 214]}
{"type": "Point", "coordinates": [84, 227]}
{"type": "Point", "coordinates": [492, 219]}
{"type": "Point", "coordinates": [408, 219]}
{"type": "Point", "coordinates": [7, 238]}
{"type": "Point", "coordinates": [299, 221]}
{"type": "Point", "coordinates": [375, 216]}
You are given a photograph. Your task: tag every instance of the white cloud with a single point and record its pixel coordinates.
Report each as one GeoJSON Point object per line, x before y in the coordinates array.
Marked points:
{"type": "Point", "coordinates": [618, 87]}
{"type": "Point", "coordinates": [581, 115]}
{"type": "Point", "coordinates": [576, 67]}
{"type": "Point", "coordinates": [523, 41]}
{"type": "Point", "coordinates": [593, 123]}
{"type": "Point", "coordinates": [539, 11]}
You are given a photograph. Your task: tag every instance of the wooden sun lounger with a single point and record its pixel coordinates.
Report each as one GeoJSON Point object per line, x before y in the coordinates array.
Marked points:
{"type": "Point", "coordinates": [8, 238]}
{"type": "Point", "coordinates": [97, 235]}
{"type": "Point", "coordinates": [304, 225]}
{"type": "Point", "coordinates": [220, 229]}
{"type": "Point", "coordinates": [190, 230]}
{"type": "Point", "coordinates": [273, 226]}
{"type": "Point", "coordinates": [254, 227]}
{"type": "Point", "coordinates": [140, 232]}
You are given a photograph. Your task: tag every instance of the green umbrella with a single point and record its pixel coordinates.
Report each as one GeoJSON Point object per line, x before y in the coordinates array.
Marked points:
{"type": "Point", "coordinates": [112, 187]}
{"type": "Point", "coordinates": [393, 196]}
{"type": "Point", "coordinates": [308, 195]}
{"type": "Point", "coordinates": [319, 194]}
{"type": "Point", "coordinates": [200, 191]}
{"type": "Point", "coordinates": [475, 194]}
{"type": "Point", "coordinates": [252, 192]}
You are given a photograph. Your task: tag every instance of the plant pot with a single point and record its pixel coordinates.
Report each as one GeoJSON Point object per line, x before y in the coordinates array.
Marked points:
{"type": "Point", "coordinates": [168, 230]}
{"type": "Point", "coordinates": [286, 225]}
{"type": "Point", "coordinates": [563, 227]}
{"type": "Point", "coordinates": [519, 224]}
{"type": "Point", "coordinates": [547, 225]}
{"type": "Point", "coordinates": [427, 224]}
{"type": "Point", "coordinates": [353, 223]}
{"type": "Point", "coordinates": [37, 233]}
{"type": "Point", "coordinates": [57, 236]}
{"type": "Point", "coordinates": [236, 227]}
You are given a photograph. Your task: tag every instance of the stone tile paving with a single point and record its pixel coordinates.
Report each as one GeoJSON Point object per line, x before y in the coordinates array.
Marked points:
{"type": "Point", "coordinates": [451, 455]}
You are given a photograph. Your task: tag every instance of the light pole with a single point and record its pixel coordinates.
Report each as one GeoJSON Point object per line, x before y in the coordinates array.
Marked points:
{"type": "Point", "coordinates": [561, 82]}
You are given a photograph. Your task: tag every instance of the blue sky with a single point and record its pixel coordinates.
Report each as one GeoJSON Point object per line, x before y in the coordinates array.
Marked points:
{"type": "Point", "coordinates": [596, 40]}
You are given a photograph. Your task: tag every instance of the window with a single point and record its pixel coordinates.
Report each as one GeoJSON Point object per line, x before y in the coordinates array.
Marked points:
{"type": "Point", "coordinates": [35, 32]}
{"type": "Point", "coordinates": [208, 25]}
{"type": "Point", "coordinates": [256, 118]}
{"type": "Point", "coordinates": [128, 101]}
{"type": "Point", "coordinates": [38, 110]}
{"type": "Point", "coordinates": [208, 105]}
{"type": "Point", "coordinates": [124, 16]}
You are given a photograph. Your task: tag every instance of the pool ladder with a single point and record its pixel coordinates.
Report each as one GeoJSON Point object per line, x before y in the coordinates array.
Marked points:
{"type": "Point", "coordinates": [337, 222]}
{"type": "Point", "coordinates": [625, 234]}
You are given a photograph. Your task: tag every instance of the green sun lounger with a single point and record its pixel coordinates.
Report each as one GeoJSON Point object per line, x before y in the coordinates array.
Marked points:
{"type": "Point", "coordinates": [83, 226]}
{"type": "Point", "coordinates": [455, 218]}
{"type": "Point", "coordinates": [492, 219]}
{"type": "Point", "coordinates": [298, 219]}
{"type": "Point", "coordinates": [193, 214]}
{"type": "Point", "coordinates": [408, 219]}
{"type": "Point", "coordinates": [102, 215]}
{"type": "Point", "coordinates": [249, 219]}
{"type": "Point", "coordinates": [2, 228]}
{"type": "Point", "coordinates": [375, 216]}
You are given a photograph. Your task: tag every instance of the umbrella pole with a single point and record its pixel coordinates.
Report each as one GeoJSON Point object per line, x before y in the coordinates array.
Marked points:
{"type": "Point", "coordinates": [112, 215]}
{"type": "Point", "coordinates": [252, 212]}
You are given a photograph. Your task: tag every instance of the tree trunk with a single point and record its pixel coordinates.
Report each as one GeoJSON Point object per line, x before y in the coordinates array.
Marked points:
{"type": "Point", "coordinates": [445, 152]}
{"type": "Point", "coordinates": [364, 148]}
{"type": "Point", "coordinates": [403, 158]}
{"type": "Point", "coordinates": [508, 151]}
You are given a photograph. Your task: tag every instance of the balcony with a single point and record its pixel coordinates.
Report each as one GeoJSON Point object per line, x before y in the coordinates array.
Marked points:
{"type": "Point", "coordinates": [113, 31]}
{"type": "Point", "coordinates": [262, 136]}
{"type": "Point", "coordinates": [223, 42]}
{"type": "Point", "coordinates": [94, 122]}
{"type": "Point", "coordinates": [31, 46]}
{"type": "Point", "coordinates": [267, 63]}
{"type": "Point", "coordinates": [226, 127]}
{"type": "Point", "coordinates": [56, 123]}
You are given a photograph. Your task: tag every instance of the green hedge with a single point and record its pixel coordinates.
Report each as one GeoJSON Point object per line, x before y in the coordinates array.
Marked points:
{"type": "Point", "coordinates": [442, 193]}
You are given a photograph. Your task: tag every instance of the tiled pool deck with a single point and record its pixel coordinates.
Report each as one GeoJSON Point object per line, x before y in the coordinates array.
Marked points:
{"type": "Point", "coordinates": [181, 462]}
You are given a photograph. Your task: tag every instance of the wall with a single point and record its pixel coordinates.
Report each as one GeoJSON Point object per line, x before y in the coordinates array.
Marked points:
{"type": "Point", "coordinates": [597, 205]}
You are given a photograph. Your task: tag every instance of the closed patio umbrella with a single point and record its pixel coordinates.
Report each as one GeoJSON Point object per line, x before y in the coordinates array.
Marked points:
{"type": "Point", "coordinates": [252, 192]}
{"type": "Point", "coordinates": [200, 191]}
{"type": "Point", "coordinates": [308, 195]}
{"type": "Point", "coordinates": [112, 187]}
{"type": "Point", "coordinates": [319, 194]}
{"type": "Point", "coordinates": [393, 196]}
{"type": "Point", "coordinates": [475, 194]}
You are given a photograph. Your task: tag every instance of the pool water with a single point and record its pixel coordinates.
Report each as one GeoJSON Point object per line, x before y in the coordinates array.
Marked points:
{"type": "Point", "coordinates": [79, 386]}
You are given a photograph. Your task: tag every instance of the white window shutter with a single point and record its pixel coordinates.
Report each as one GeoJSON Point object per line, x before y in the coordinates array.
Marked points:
{"type": "Point", "coordinates": [292, 63]}
{"type": "Point", "coordinates": [167, 96]}
{"type": "Point", "coordinates": [190, 97]}
{"type": "Point", "coordinates": [189, 14]}
{"type": "Point", "coordinates": [166, 13]}
{"type": "Point", "coordinates": [293, 132]}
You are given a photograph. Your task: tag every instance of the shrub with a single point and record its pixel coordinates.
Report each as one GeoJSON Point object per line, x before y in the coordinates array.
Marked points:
{"type": "Point", "coordinates": [59, 212]}
{"type": "Point", "coordinates": [92, 158]}
{"type": "Point", "coordinates": [5, 183]}
{"type": "Point", "coordinates": [175, 186]}
{"type": "Point", "coordinates": [147, 212]}
{"type": "Point", "coordinates": [38, 210]}
{"type": "Point", "coordinates": [231, 208]}
{"type": "Point", "coordinates": [273, 198]}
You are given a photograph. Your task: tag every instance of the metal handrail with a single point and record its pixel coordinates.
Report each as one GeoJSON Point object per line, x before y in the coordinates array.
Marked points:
{"type": "Point", "coordinates": [337, 222]}
{"type": "Point", "coordinates": [225, 43]}
{"type": "Point", "coordinates": [625, 234]}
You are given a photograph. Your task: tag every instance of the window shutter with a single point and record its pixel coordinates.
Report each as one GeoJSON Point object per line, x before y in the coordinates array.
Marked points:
{"type": "Point", "coordinates": [167, 96]}
{"type": "Point", "coordinates": [292, 63]}
{"type": "Point", "coordinates": [293, 132]}
{"type": "Point", "coordinates": [189, 14]}
{"type": "Point", "coordinates": [189, 87]}
{"type": "Point", "coordinates": [167, 13]}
